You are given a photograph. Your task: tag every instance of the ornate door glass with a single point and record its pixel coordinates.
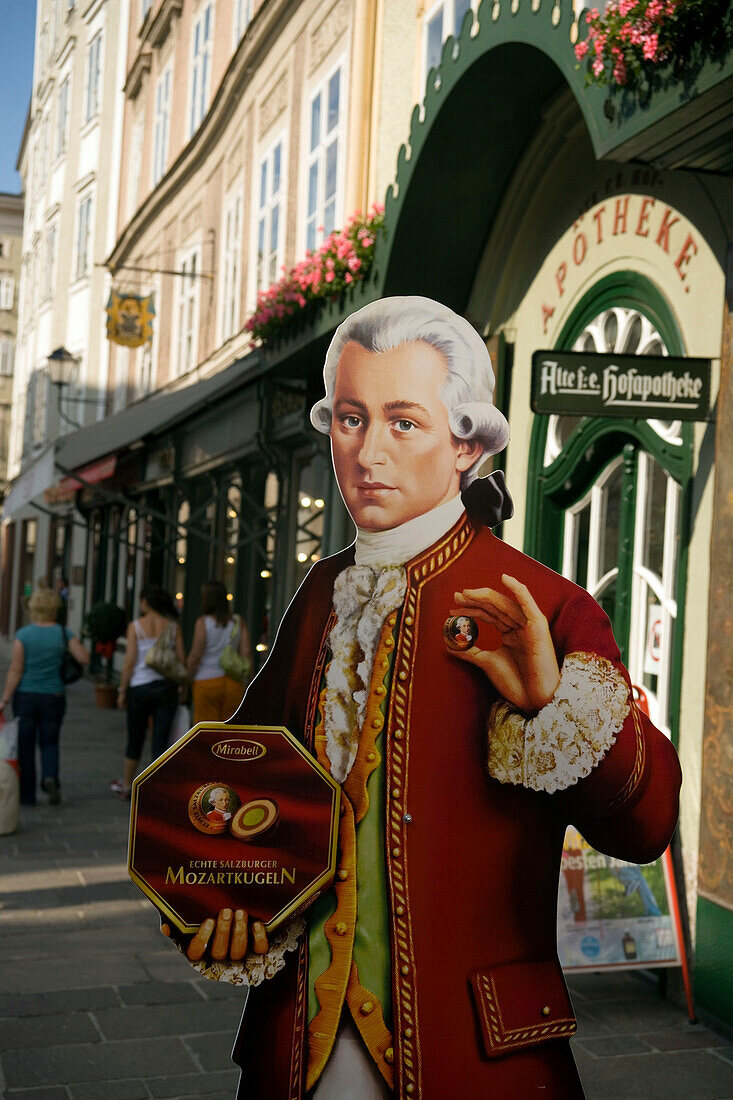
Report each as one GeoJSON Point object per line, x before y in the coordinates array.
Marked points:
{"type": "Point", "coordinates": [591, 538]}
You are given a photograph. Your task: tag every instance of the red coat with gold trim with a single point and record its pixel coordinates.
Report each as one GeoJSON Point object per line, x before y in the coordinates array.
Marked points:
{"type": "Point", "coordinates": [479, 1003]}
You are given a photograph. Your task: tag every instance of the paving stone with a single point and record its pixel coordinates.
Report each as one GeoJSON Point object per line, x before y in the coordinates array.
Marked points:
{"type": "Point", "coordinates": [108, 913]}
{"type": "Point", "coordinates": [75, 941]}
{"type": "Point", "coordinates": [588, 1026]}
{"type": "Point", "coordinates": [114, 873]}
{"type": "Point", "coordinates": [42, 878]}
{"type": "Point", "coordinates": [36, 1031]}
{"type": "Point", "coordinates": [220, 991]}
{"type": "Point", "coordinates": [209, 1096]}
{"type": "Point", "coordinates": [77, 895]}
{"type": "Point", "coordinates": [70, 973]}
{"type": "Point", "coordinates": [110, 1090]}
{"type": "Point", "coordinates": [66, 1000]}
{"type": "Point", "coordinates": [690, 1076]}
{"type": "Point", "coordinates": [691, 1038]}
{"type": "Point", "coordinates": [158, 993]}
{"type": "Point", "coordinates": [166, 1019]}
{"type": "Point", "coordinates": [165, 966]}
{"type": "Point", "coordinates": [639, 1015]}
{"type": "Point", "coordinates": [212, 1052]}
{"type": "Point", "coordinates": [200, 1084]}
{"type": "Point", "coordinates": [615, 1045]}
{"type": "Point", "coordinates": [139, 1058]}
{"type": "Point", "coordinates": [726, 1053]}
{"type": "Point", "coordinates": [39, 1094]}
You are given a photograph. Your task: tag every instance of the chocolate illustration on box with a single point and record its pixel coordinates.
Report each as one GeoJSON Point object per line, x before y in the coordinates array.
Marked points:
{"type": "Point", "coordinates": [460, 632]}
{"type": "Point", "coordinates": [256, 827]}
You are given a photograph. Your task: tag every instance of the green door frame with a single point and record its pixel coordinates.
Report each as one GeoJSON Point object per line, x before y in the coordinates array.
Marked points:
{"type": "Point", "coordinates": [550, 490]}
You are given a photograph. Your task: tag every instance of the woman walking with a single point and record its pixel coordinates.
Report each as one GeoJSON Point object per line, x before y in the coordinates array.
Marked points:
{"type": "Point", "coordinates": [220, 641]}
{"type": "Point", "coordinates": [146, 692]}
{"type": "Point", "coordinates": [39, 694]}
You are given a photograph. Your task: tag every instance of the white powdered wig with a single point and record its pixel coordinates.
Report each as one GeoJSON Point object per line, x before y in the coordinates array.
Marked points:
{"type": "Point", "coordinates": [469, 387]}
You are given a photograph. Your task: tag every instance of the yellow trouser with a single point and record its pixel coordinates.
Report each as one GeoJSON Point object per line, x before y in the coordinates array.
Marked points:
{"type": "Point", "coordinates": [217, 699]}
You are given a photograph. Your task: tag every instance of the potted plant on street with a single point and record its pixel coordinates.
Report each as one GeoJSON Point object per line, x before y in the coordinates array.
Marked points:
{"type": "Point", "coordinates": [104, 623]}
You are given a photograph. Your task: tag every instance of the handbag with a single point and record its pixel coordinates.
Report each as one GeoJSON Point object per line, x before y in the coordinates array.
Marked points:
{"type": "Point", "coordinates": [71, 669]}
{"type": "Point", "coordinates": [162, 657]}
{"type": "Point", "coordinates": [231, 661]}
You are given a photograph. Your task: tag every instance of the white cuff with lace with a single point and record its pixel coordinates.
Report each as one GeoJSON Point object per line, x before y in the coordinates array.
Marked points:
{"type": "Point", "coordinates": [569, 736]}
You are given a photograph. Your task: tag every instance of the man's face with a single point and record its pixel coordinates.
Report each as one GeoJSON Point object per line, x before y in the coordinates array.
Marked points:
{"type": "Point", "coordinates": [393, 452]}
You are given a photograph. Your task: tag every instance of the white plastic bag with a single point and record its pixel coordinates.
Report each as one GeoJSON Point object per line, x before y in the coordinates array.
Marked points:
{"type": "Point", "coordinates": [9, 741]}
{"type": "Point", "coordinates": [181, 724]}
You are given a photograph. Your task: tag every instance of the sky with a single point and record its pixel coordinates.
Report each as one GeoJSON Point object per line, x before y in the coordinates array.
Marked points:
{"type": "Point", "coordinates": [17, 20]}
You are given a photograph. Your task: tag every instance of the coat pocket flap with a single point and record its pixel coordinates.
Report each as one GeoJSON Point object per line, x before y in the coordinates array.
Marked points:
{"type": "Point", "coordinates": [521, 1004]}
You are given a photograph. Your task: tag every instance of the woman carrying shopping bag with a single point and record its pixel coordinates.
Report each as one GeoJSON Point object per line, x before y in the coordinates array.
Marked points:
{"type": "Point", "coordinates": [220, 661]}
{"type": "Point", "coordinates": [154, 668]}
{"type": "Point", "coordinates": [36, 681]}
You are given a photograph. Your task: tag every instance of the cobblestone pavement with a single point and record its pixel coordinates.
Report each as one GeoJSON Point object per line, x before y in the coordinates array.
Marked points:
{"type": "Point", "coordinates": [95, 1005]}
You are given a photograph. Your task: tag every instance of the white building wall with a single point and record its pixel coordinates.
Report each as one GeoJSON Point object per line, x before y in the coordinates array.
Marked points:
{"type": "Point", "coordinates": [57, 174]}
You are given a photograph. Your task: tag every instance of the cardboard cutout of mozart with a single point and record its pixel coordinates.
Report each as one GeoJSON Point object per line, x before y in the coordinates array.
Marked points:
{"type": "Point", "coordinates": [430, 968]}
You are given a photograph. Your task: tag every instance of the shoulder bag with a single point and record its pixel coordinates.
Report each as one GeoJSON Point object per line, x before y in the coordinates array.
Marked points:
{"type": "Point", "coordinates": [162, 657]}
{"type": "Point", "coordinates": [231, 661]}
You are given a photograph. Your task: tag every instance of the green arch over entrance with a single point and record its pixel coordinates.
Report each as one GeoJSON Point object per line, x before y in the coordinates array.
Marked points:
{"type": "Point", "coordinates": [464, 149]}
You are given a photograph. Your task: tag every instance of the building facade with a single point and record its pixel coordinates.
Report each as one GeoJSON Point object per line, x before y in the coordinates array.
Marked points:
{"type": "Point", "coordinates": [251, 131]}
{"type": "Point", "coordinates": [556, 217]}
{"type": "Point", "coordinates": [70, 167]}
{"type": "Point", "coordinates": [11, 243]}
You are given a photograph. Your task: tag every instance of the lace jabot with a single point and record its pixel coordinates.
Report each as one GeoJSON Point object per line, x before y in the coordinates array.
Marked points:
{"type": "Point", "coordinates": [363, 596]}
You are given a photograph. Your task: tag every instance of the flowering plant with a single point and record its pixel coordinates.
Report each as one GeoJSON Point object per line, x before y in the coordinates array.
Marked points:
{"type": "Point", "coordinates": [633, 35]}
{"type": "Point", "coordinates": [344, 258]}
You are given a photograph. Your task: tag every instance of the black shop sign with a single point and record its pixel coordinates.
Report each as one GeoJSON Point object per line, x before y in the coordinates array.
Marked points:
{"type": "Point", "coordinates": [642, 387]}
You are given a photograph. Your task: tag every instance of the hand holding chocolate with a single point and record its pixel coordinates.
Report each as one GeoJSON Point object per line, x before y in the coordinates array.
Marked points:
{"type": "Point", "coordinates": [231, 934]}
{"type": "Point", "coordinates": [239, 821]}
{"type": "Point", "coordinates": [521, 663]}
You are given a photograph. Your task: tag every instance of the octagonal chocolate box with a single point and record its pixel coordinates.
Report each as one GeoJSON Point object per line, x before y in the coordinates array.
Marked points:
{"type": "Point", "coordinates": [233, 816]}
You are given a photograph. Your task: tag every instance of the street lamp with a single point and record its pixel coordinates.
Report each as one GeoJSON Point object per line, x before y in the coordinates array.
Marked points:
{"type": "Point", "coordinates": [61, 364]}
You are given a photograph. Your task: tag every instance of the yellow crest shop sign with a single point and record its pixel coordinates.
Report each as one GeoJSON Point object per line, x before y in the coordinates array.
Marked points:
{"type": "Point", "coordinates": [130, 319]}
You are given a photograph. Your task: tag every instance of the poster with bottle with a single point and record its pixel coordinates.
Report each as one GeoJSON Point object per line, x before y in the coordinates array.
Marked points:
{"type": "Point", "coordinates": [613, 914]}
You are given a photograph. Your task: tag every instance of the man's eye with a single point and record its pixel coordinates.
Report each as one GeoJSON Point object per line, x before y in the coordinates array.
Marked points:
{"type": "Point", "coordinates": [404, 425]}
{"type": "Point", "coordinates": [351, 421]}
